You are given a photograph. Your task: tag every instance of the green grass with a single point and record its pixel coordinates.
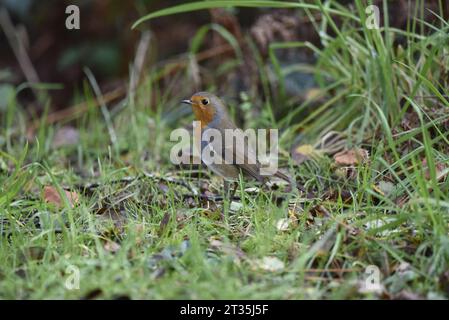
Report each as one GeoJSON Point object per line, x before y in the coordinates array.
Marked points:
{"type": "Point", "coordinates": [368, 86]}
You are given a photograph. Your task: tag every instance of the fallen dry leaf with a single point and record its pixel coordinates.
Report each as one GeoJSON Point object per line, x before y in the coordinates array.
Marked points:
{"type": "Point", "coordinates": [441, 170]}
{"type": "Point", "coordinates": [164, 222]}
{"type": "Point", "coordinates": [304, 152]}
{"type": "Point", "coordinates": [351, 157]}
{"type": "Point", "coordinates": [111, 246]}
{"type": "Point", "coordinates": [51, 195]}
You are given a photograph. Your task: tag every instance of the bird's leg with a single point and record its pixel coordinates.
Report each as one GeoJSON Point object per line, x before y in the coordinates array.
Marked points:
{"type": "Point", "coordinates": [226, 188]}
{"type": "Point", "coordinates": [226, 199]}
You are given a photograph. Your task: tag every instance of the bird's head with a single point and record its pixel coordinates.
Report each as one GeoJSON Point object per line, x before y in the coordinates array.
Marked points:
{"type": "Point", "coordinates": [206, 107]}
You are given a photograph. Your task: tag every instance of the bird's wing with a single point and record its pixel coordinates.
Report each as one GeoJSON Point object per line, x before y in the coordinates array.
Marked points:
{"type": "Point", "coordinates": [243, 154]}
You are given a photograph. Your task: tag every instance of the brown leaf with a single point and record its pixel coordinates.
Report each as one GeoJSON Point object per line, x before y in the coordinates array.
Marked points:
{"type": "Point", "coordinates": [351, 157]}
{"type": "Point", "coordinates": [440, 170]}
{"type": "Point", "coordinates": [111, 246]}
{"type": "Point", "coordinates": [304, 152]}
{"type": "Point", "coordinates": [51, 195]}
{"type": "Point", "coordinates": [164, 222]}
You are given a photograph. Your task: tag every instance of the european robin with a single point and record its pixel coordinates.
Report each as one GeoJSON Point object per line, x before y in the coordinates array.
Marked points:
{"type": "Point", "coordinates": [212, 114]}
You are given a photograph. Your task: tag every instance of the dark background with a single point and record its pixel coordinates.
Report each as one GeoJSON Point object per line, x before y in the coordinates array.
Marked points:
{"type": "Point", "coordinates": [106, 44]}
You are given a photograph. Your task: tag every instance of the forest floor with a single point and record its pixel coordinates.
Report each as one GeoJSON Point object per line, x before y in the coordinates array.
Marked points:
{"type": "Point", "coordinates": [92, 207]}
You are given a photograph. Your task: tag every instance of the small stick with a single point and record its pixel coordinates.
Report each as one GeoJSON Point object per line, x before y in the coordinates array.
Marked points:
{"type": "Point", "coordinates": [18, 47]}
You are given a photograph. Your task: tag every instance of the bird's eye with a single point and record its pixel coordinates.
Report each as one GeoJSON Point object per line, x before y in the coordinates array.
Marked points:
{"type": "Point", "coordinates": [205, 102]}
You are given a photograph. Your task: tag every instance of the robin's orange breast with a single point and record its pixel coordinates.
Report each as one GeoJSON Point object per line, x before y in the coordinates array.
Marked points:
{"type": "Point", "coordinates": [203, 114]}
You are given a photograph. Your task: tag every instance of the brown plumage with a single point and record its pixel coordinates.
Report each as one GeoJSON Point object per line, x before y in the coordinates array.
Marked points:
{"type": "Point", "coordinates": [212, 113]}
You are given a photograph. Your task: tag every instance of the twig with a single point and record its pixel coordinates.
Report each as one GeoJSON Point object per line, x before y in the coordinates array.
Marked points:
{"type": "Point", "coordinates": [174, 181]}
{"type": "Point", "coordinates": [94, 185]}
{"type": "Point", "coordinates": [139, 61]}
{"type": "Point", "coordinates": [73, 112]}
{"type": "Point", "coordinates": [16, 43]}
{"type": "Point", "coordinates": [336, 270]}
{"type": "Point", "coordinates": [208, 198]}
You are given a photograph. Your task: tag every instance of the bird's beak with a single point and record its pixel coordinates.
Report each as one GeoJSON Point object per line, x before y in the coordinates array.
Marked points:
{"type": "Point", "coordinates": [186, 101]}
